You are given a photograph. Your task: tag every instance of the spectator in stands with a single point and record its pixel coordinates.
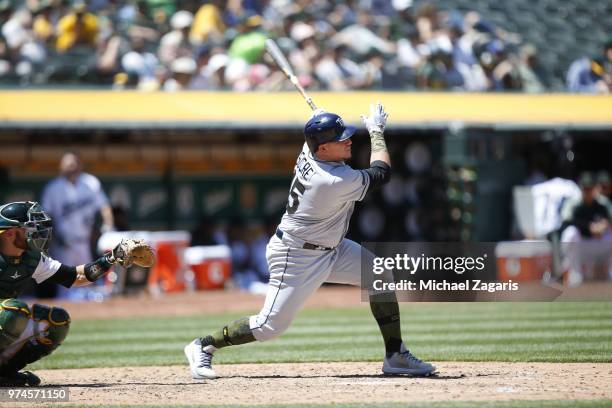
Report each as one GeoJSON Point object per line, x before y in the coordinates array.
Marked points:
{"type": "Point", "coordinates": [587, 75]}
{"type": "Point", "coordinates": [608, 64]}
{"type": "Point", "coordinates": [107, 56]}
{"type": "Point", "coordinates": [201, 79]}
{"type": "Point", "coordinates": [161, 10]}
{"type": "Point", "coordinates": [43, 27]}
{"type": "Point", "coordinates": [336, 71]}
{"type": "Point", "coordinates": [208, 24]}
{"type": "Point", "coordinates": [608, 55]}
{"type": "Point", "coordinates": [411, 53]}
{"type": "Point", "coordinates": [439, 72]}
{"type": "Point", "coordinates": [133, 19]}
{"type": "Point", "coordinates": [14, 29]}
{"type": "Point", "coordinates": [183, 69]}
{"type": "Point", "coordinates": [141, 63]}
{"type": "Point", "coordinates": [175, 44]}
{"type": "Point", "coordinates": [25, 53]}
{"type": "Point", "coordinates": [427, 21]}
{"type": "Point", "coordinates": [249, 44]}
{"type": "Point", "coordinates": [6, 11]}
{"type": "Point", "coordinates": [504, 74]}
{"type": "Point", "coordinates": [375, 32]}
{"type": "Point", "coordinates": [402, 19]}
{"type": "Point", "coordinates": [79, 28]}
{"type": "Point", "coordinates": [236, 74]}
{"type": "Point", "coordinates": [464, 60]}
{"type": "Point", "coordinates": [302, 56]}
{"type": "Point", "coordinates": [360, 37]}
{"type": "Point", "coordinates": [215, 71]}
{"type": "Point", "coordinates": [343, 14]}
{"type": "Point", "coordinates": [5, 65]}
{"type": "Point", "coordinates": [529, 73]}
{"type": "Point", "coordinates": [372, 69]}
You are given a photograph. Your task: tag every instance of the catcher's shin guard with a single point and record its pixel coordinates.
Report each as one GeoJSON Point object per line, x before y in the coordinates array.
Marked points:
{"type": "Point", "coordinates": [14, 317]}
{"type": "Point", "coordinates": [51, 326]}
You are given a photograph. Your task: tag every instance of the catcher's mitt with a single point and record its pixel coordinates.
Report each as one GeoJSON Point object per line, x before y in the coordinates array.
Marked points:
{"type": "Point", "coordinates": [133, 251]}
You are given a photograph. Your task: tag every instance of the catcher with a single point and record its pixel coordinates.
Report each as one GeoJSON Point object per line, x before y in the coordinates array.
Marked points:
{"type": "Point", "coordinates": [28, 334]}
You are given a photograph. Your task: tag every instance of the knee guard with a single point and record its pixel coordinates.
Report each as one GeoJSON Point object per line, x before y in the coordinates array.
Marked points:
{"type": "Point", "coordinates": [51, 328]}
{"type": "Point", "coordinates": [14, 316]}
{"type": "Point", "coordinates": [57, 321]}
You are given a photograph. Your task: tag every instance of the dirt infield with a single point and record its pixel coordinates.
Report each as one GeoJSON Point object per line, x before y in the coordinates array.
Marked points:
{"type": "Point", "coordinates": [251, 384]}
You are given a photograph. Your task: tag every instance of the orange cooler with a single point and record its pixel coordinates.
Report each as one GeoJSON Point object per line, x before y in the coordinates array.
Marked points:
{"type": "Point", "coordinates": [211, 266]}
{"type": "Point", "coordinates": [523, 261]}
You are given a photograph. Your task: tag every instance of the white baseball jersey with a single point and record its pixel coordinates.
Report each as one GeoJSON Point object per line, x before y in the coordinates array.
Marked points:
{"type": "Point", "coordinates": [321, 199]}
{"type": "Point", "coordinates": [541, 208]}
{"type": "Point", "coordinates": [73, 208]}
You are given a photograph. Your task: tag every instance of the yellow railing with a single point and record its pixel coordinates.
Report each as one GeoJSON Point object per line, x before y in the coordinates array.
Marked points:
{"type": "Point", "coordinates": [226, 108]}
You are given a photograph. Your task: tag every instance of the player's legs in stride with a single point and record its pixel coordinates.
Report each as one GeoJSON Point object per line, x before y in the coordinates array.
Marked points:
{"type": "Point", "coordinates": [200, 351]}
{"type": "Point", "coordinates": [385, 309]}
{"type": "Point", "coordinates": [295, 274]}
{"type": "Point", "coordinates": [398, 359]}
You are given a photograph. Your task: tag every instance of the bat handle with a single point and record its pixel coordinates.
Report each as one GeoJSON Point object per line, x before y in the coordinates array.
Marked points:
{"type": "Point", "coordinates": [299, 87]}
{"type": "Point", "coordinates": [310, 103]}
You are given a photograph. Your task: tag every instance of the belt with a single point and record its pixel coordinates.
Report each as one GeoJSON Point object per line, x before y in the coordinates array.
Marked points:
{"type": "Point", "coordinates": [307, 245]}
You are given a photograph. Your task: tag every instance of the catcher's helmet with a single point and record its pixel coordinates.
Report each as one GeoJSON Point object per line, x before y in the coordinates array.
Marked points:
{"type": "Point", "coordinates": [30, 216]}
{"type": "Point", "coordinates": [324, 128]}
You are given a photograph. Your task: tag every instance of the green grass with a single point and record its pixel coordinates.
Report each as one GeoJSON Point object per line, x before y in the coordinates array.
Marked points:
{"type": "Point", "coordinates": [459, 404]}
{"type": "Point", "coordinates": [554, 332]}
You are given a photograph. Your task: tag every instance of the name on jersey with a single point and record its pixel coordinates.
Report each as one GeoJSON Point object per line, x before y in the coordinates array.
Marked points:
{"type": "Point", "coordinates": [304, 166]}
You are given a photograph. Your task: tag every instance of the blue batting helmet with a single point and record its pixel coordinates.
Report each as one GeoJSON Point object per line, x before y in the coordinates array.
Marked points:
{"type": "Point", "coordinates": [326, 127]}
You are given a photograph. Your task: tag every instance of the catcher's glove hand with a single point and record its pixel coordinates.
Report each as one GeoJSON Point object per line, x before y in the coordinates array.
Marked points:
{"type": "Point", "coordinates": [133, 251]}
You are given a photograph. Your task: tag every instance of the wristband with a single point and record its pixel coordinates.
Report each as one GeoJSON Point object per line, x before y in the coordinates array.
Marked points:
{"type": "Point", "coordinates": [94, 270]}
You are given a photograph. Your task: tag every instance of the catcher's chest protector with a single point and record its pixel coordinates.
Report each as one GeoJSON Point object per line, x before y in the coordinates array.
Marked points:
{"type": "Point", "coordinates": [16, 273]}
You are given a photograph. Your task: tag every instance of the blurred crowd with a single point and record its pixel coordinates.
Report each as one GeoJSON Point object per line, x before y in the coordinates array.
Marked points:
{"type": "Point", "coordinates": [219, 44]}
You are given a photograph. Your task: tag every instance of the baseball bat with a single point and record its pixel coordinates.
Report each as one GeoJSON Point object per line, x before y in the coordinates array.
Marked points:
{"type": "Point", "coordinates": [283, 64]}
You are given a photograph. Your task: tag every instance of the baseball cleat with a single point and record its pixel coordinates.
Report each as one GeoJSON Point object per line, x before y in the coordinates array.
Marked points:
{"type": "Point", "coordinates": [200, 360]}
{"type": "Point", "coordinates": [403, 362]}
{"type": "Point", "coordinates": [20, 379]}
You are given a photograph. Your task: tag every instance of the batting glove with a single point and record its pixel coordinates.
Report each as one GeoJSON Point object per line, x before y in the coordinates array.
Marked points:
{"type": "Point", "coordinates": [377, 120]}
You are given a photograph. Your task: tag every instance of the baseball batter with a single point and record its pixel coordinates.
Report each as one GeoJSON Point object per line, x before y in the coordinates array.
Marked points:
{"type": "Point", "coordinates": [27, 334]}
{"type": "Point", "coordinates": [309, 247]}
